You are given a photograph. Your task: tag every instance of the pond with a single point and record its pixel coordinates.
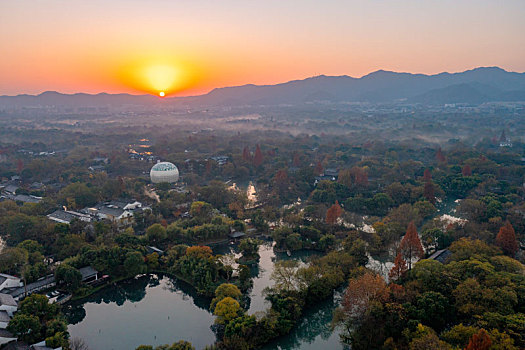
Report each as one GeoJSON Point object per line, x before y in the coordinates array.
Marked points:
{"type": "Point", "coordinates": [157, 309]}
{"type": "Point", "coordinates": [146, 310]}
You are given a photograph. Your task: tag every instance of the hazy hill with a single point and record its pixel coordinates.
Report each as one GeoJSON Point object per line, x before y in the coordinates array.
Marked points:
{"type": "Point", "coordinates": [476, 86]}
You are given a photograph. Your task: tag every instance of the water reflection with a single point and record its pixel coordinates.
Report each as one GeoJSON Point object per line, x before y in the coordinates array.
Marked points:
{"type": "Point", "coordinates": [149, 309]}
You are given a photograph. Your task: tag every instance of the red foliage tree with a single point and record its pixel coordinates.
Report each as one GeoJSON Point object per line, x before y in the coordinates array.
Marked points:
{"type": "Point", "coordinates": [318, 168]}
{"type": "Point", "coordinates": [466, 171]}
{"type": "Point", "coordinates": [19, 166]}
{"type": "Point", "coordinates": [246, 155]}
{"type": "Point", "coordinates": [479, 341]}
{"type": "Point", "coordinates": [439, 156]}
{"type": "Point", "coordinates": [411, 247]}
{"type": "Point", "coordinates": [428, 192]}
{"type": "Point", "coordinates": [333, 213]}
{"type": "Point", "coordinates": [399, 268]}
{"type": "Point", "coordinates": [427, 175]}
{"type": "Point", "coordinates": [296, 160]}
{"type": "Point", "coordinates": [506, 239]}
{"type": "Point", "coordinates": [360, 176]}
{"type": "Point", "coordinates": [258, 157]}
{"type": "Point", "coordinates": [360, 292]}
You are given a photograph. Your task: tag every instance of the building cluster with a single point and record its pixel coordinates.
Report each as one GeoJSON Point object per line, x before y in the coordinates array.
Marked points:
{"type": "Point", "coordinates": [12, 290]}
{"type": "Point", "coordinates": [118, 212]}
{"type": "Point", "coordinates": [9, 190]}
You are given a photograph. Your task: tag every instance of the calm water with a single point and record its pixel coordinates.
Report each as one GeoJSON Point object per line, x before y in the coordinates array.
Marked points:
{"type": "Point", "coordinates": [160, 310]}
{"type": "Point", "coordinates": [147, 310]}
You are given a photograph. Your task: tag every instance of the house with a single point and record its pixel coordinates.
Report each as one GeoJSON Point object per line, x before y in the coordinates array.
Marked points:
{"type": "Point", "coordinates": [441, 255]}
{"type": "Point", "coordinates": [89, 274]}
{"type": "Point", "coordinates": [152, 250]}
{"type": "Point", "coordinates": [42, 346]}
{"type": "Point", "coordinates": [42, 283]}
{"type": "Point", "coordinates": [8, 304]}
{"type": "Point", "coordinates": [6, 337]}
{"type": "Point", "coordinates": [332, 172]}
{"type": "Point", "coordinates": [10, 189]}
{"type": "Point", "coordinates": [4, 319]}
{"type": "Point", "coordinates": [118, 211]}
{"type": "Point", "coordinates": [101, 160]}
{"type": "Point", "coordinates": [8, 281]}
{"type": "Point", "coordinates": [66, 216]}
{"type": "Point", "coordinates": [97, 168]}
{"type": "Point", "coordinates": [236, 235]}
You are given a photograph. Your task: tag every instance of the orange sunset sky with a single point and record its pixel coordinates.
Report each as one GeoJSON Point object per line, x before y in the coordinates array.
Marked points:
{"type": "Point", "coordinates": [187, 47]}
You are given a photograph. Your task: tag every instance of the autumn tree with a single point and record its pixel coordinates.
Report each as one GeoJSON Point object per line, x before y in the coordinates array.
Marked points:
{"type": "Point", "coordinates": [399, 268]}
{"type": "Point", "coordinates": [439, 156]}
{"type": "Point", "coordinates": [246, 155]}
{"type": "Point", "coordinates": [296, 160]}
{"type": "Point", "coordinates": [318, 168]}
{"type": "Point", "coordinates": [479, 341]}
{"type": "Point", "coordinates": [258, 157]}
{"type": "Point", "coordinates": [427, 175]}
{"type": "Point", "coordinates": [506, 239]}
{"type": "Point", "coordinates": [333, 213]}
{"type": "Point", "coordinates": [410, 247]}
{"type": "Point", "coordinates": [466, 171]}
{"type": "Point", "coordinates": [428, 192]}
{"type": "Point", "coordinates": [360, 292]}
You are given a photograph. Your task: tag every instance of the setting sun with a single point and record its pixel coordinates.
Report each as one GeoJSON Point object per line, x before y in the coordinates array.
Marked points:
{"type": "Point", "coordinates": [161, 94]}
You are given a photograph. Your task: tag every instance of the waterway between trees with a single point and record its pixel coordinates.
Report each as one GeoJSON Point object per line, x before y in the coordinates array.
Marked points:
{"type": "Point", "coordinates": [157, 309]}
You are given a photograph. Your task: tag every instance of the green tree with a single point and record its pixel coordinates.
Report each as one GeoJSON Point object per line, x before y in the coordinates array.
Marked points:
{"type": "Point", "coordinates": [156, 233]}
{"type": "Point", "coordinates": [68, 277]}
{"type": "Point", "coordinates": [25, 327]}
{"type": "Point", "coordinates": [226, 310]}
{"type": "Point", "coordinates": [134, 263]}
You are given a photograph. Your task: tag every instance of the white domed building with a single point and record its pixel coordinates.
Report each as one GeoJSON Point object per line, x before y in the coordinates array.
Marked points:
{"type": "Point", "coordinates": [164, 172]}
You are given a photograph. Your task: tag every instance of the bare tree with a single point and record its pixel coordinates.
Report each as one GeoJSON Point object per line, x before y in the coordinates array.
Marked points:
{"type": "Point", "coordinates": [78, 344]}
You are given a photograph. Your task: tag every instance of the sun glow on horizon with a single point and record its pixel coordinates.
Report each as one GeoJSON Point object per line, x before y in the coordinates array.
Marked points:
{"type": "Point", "coordinates": [158, 76]}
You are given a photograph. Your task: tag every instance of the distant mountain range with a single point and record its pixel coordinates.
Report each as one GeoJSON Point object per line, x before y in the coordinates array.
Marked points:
{"type": "Point", "coordinates": [476, 86]}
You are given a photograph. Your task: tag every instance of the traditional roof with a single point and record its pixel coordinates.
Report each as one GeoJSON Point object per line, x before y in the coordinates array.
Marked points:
{"type": "Point", "coordinates": [441, 255]}
{"type": "Point", "coordinates": [87, 272]}
{"type": "Point", "coordinates": [237, 234]}
{"type": "Point", "coordinates": [4, 316]}
{"type": "Point", "coordinates": [6, 299]}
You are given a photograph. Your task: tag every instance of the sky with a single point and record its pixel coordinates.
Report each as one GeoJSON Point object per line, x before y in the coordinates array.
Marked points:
{"type": "Point", "coordinates": [188, 47]}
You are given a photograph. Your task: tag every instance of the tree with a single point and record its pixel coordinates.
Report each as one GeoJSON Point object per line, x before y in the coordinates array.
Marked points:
{"type": "Point", "coordinates": [466, 171]}
{"type": "Point", "coordinates": [258, 157]}
{"type": "Point", "coordinates": [223, 291]}
{"type": "Point", "coordinates": [410, 246]}
{"type": "Point", "coordinates": [134, 263]}
{"type": "Point", "coordinates": [26, 327]}
{"type": "Point", "coordinates": [226, 310]}
{"type": "Point", "coordinates": [284, 275]}
{"type": "Point", "coordinates": [429, 193]}
{"type": "Point", "coordinates": [246, 155]}
{"type": "Point", "coordinates": [506, 240]}
{"type": "Point", "coordinates": [399, 268]}
{"type": "Point", "coordinates": [318, 170]}
{"type": "Point", "coordinates": [479, 341]}
{"type": "Point", "coordinates": [68, 277]}
{"type": "Point", "coordinates": [78, 344]}
{"type": "Point", "coordinates": [359, 294]}
{"type": "Point", "coordinates": [439, 156]}
{"type": "Point", "coordinates": [12, 260]}
{"type": "Point", "coordinates": [156, 233]}
{"type": "Point", "coordinates": [38, 305]}
{"type": "Point", "coordinates": [333, 213]}
{"type": "Point", "coordinates": [427, 175]}
{"type": "Point", "coordinates": [250, 248]}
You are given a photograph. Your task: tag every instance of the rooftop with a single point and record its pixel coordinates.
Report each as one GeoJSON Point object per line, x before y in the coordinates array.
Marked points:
{"type": "Point", "coordinates": [6, 299]}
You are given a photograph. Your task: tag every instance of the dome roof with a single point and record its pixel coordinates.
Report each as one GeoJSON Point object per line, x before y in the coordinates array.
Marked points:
{"type": "Point", "coordinates": [164, 172]}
